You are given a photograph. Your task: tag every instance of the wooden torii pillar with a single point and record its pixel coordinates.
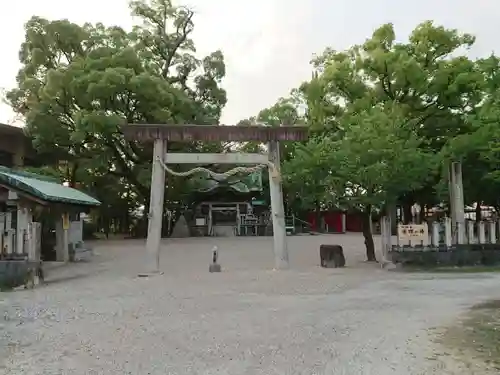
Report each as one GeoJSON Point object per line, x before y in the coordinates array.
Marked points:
{"type": "Point", "coordinates": [161, 134]}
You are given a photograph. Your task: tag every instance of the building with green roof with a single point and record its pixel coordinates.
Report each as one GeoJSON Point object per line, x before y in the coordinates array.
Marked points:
{"type": "Point", "coordinates": [24, 199]}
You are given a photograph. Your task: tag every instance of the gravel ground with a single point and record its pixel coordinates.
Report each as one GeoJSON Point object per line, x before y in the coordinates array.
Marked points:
{"type": "Point", "coordinates": [99, 318]}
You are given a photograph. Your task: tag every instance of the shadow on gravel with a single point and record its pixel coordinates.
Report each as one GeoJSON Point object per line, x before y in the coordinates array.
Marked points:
{"type": "Point", "coordinates": [62, 279]}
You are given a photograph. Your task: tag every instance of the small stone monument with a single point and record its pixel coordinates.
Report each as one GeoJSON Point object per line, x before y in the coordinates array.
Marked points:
{"type": "Point", "coordinates": [214, 266]}
{"type": "Point", "coordinates": [331, 256]}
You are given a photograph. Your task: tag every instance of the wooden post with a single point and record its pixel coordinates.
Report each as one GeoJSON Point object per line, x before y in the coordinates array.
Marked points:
{"type": "Point", "coordinates": [278, 211]}
{"type": "Point", "coordinates": [155, 214]}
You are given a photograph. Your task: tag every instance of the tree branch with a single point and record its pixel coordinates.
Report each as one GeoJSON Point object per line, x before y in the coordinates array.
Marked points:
{"type": "Point", "coordinates": [182, 35]}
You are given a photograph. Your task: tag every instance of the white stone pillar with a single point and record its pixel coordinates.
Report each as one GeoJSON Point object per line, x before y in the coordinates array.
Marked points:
{"type": "Point", "coordinates": [8, 234]}
{"type": "Point", "coordinates": [76, 232]}
{"type": "Point", "coordinates": [435, 233]}
{"type": "Point", "coordinates": [386, 236]}
{"type": "Point", "coordinates": [383, 238]}
{"type": "Point", "coordinates": [8, 220]}
{"type": "Point", "coordinates": [493, 232]}
{"type": "Point", "coordinates": [32, 255]}
{"type": "Point", "coordinates": [461, 237]}
{"type": "Point", "coordinates": [23, 218]}
{"type": "Point", "coordinates": [447, 232]}
{"type": "Point", "coordinates": [344, 224]}
{"type": "Point", "coordinates": [470, 232]}
{"type": "Point", "coordinates": [457, 208]}
{"type": "Point", "coordinates": [481, 232]}
{"type": "Point", "coordinates": [277, 208]}
{"type": "Point", "coordinates": [155, 215]}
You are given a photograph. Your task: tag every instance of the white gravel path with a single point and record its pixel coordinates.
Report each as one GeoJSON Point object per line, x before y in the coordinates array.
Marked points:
{"type": "Point", "coordinates": [99, 318]}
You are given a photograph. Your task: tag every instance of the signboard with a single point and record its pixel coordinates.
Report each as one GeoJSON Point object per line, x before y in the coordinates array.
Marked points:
{"type": "Point", "coordinates": [415, 234]}
{"type": "Point", "coordinates": [65, 221]}
{"type": "Point", "coordinates": [257, 202]}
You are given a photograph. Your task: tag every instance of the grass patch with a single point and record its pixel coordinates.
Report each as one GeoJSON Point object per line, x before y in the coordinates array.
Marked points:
{"type": "Point", "coordinates": [477, 337]}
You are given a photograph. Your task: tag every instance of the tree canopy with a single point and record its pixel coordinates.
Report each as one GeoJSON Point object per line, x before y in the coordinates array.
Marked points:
{"type": "Point", "coordinates": [79, 83]}
{"type": "Point", "coordinates": [389, 116]}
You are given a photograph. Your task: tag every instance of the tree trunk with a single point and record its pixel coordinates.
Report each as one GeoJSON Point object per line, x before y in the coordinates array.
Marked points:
{"type": "Point", "coordinates": [319, 228]}
{"type": "Point", "coordinates": [407, 217]}
{"type": "Point", "coordinates": [479, 213]}
{"type": "Point", "coordinates": [367, 234]}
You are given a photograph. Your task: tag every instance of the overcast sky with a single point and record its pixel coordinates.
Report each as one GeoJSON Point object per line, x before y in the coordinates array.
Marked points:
{"type": "Point", "coordinates": [267, 43]}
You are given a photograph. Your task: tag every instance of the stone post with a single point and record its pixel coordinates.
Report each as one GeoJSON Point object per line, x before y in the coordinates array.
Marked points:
{"type": "Point", "coordinates": [461, 237]}
{"type": "Point", "coordinates": [155, 215]}
{"type": "Point", "coordinates": [493, 234]}
{"type": "Point", "coordinates": [386, 236]}
{"type": "Point", "coordinates": [470, 232]}
{"type": "Point", "coordinates": [34, 241]}
{"type": "Point", "coordinates": [435, 233]}
{"type": "Point", "coordinates": [481, 232]}
{"type": "Point", "coordinates": [447, 232]}
{"type": "Point", "coordinates": [457, 208]}
{"type": "Point", "coordinates": [24, 217]}
{"type": "Point", "coordinates": [277, 208]}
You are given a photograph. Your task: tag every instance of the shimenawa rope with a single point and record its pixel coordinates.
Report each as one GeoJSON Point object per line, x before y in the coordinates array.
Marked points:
{"type": "Point", "coordinates": [247, 170]}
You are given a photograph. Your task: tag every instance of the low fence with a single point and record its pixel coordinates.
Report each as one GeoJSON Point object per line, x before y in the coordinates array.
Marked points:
{"type": "Point", "coordinates": [442, 243]}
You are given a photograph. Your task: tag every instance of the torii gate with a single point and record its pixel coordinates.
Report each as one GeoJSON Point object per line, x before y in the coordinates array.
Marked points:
{"type": "Point", "coordinates": [160, 134]}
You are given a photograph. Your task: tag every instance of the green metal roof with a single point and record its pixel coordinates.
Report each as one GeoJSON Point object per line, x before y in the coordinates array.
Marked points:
{"type": "Point", "coordinates": [44, 188]}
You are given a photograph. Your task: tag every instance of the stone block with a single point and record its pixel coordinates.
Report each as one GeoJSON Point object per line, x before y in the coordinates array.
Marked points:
{"type": "Point", "coordinates": [331, 256]}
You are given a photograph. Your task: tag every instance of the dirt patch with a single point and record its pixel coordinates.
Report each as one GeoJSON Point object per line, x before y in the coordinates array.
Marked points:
{"type": "Point", "coordinates": [475, 340]}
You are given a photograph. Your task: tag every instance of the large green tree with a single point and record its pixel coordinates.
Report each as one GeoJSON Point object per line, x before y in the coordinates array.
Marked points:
{"type": "Point", "coordinates": [379, 158]}
{"type": "Point", "coordinates": [386, 108]}
{"type": "Point", "coordinates": [79, 83]}
{"type": "Point", "coordinates": [431, 81]}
